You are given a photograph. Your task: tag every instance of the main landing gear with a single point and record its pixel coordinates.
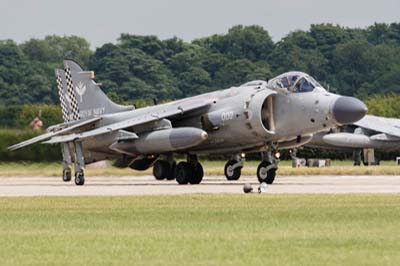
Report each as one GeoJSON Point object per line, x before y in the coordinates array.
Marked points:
{"type": "Point", "coordinates": [79, 163]}
{"type": "Point", "coordinates": [164, 169]}
{"type": "Point", "coordinates": [189, 172]}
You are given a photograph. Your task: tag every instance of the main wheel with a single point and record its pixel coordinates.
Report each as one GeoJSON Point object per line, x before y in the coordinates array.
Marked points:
{"type": "Point", "coordinates": [79, 178]}
{"type": "Point", "coordinates": [197, 174]}
{"type": "Point", "coordinates": [161, 170]}
{"type": "Point", "coordinates": [230, 172]}
{"type": "Point", "coordinates": [266, 172]}
{"type": "Point", "coordinates": [67, 175]}
{"type": "Point", "coordinates": [183, 173]}
{"type": "Point", "coordinates": [171, 175]}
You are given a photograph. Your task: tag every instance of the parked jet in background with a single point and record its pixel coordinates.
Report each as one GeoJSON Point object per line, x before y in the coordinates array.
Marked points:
{"type": "Point", "coordinates": [254, 117]}
{"type": "Point", "coordinates": [371, 132]}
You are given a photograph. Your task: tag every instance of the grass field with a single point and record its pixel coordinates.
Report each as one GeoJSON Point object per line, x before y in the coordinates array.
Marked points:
{"type": "Point", "coordinates": [210, 168]}
{"type": "Point", "coordinates": [201, 230]}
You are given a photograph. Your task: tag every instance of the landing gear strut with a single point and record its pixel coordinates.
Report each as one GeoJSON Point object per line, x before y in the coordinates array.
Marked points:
{"type": "Point", "coordinates": [66, 162]}
{"type": "Point", "coordinates": [79, 165]}
{"type": "Point", "coordinates": [233, 168]}
{"type": "Point", "coordinates": [266, 170]}
{"type": "Point", "coordinates": [190, 171]}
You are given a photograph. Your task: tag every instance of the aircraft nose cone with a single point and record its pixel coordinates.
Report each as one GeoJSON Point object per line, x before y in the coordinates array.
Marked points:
{"type": "Point", "coordinates": [347, 110]}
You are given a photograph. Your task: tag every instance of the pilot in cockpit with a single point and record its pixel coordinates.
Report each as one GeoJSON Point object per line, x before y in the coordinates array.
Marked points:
{"type": "Point", "coordinates": [295, 82]}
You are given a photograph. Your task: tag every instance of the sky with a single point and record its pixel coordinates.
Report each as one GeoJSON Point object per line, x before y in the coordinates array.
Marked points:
{"type": "Point", "coordinates": [100, 22]}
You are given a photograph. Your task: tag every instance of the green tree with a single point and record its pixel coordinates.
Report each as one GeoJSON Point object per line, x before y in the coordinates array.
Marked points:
{"type": "Point", "coordinates": [250, 42]}
{"type": "Point", "coordinates": [240, 71]}
{"type": "Point", "coordinates": [384, 105]}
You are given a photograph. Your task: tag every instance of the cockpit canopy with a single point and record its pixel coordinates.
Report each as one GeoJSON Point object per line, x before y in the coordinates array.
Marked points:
{"type": "Point", "coordinates": [295, 82]}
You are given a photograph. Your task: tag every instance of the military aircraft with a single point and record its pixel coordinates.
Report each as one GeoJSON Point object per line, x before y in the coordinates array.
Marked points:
{"type": "Point", "coordinates": [257, 116]}
{"type": "Point", "coordinates": [371, 132]}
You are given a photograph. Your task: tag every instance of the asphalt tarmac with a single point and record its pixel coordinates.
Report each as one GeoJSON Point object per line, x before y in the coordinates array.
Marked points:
{"type": "Point", "coordinates": [147, 185]}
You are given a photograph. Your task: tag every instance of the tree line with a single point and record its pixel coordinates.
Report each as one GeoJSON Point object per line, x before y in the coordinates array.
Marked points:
{"type": "Point", "coordinates": [358, 62]}
{"type": "Point", "coordinates": [351, 61]}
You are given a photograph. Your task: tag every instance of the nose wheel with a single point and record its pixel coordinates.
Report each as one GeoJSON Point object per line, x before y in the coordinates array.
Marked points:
{"type": "Point", "coordinates": [266, 172]}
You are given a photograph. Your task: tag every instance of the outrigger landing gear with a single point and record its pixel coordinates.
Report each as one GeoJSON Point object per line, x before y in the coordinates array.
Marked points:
{"type": "Point", "coordinates": [190, 171]}
{"type": "Point", "coordinates": [266, 170]}
{"type": "Point", "coordinates": [165, 169]}
{"type": "Point", "coordinates": [79, 164]}
{"type": "Point", "coordinates": [66, 163]}
{"type": "Point", "coordinates": [67, 175]}
{"type": "Point", "coordinates": [233, 168]}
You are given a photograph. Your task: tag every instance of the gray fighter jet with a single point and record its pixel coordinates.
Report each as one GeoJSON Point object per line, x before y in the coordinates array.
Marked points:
{"type": "Point", "coordinates": [371, 132]}
{"type": "Point", "coordinates": [257, 116]}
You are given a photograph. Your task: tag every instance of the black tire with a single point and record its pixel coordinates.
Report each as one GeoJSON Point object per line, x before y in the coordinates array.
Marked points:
{"type": "Point", "coordinates": [232, 174]}
{"type": "Point", "coordinates": [266, 176]}
{"type": "Point", "coordinates": [79, 179]}
{"type": "Point", "coordinates": [66, 175]}
{"type": "Point", "coordinates": [171, 175]}
{"type": "Point", "coordinates": [183, 173]}
{"type": "Point", "coordinates": [197, 174]}
{"type": "Point", "coordinates": [161, 170]}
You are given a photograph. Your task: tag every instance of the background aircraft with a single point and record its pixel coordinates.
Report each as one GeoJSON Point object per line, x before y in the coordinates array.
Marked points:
{"type": "Point", "coordinates": [371, 132]}
{"type": "Point", "coordinates": [258, 116]}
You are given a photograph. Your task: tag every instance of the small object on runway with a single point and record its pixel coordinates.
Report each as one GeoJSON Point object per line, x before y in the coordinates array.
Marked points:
{"type": "Point", "coordinates": [262, 188]}
{"type": "Point", "coordinates": [247, 188]}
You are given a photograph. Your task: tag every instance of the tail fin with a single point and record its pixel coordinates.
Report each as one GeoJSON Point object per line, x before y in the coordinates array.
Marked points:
{"type": "Point", "coordinates": [62, 93]}
{"type": "Point", "coordinates": [80, 96]}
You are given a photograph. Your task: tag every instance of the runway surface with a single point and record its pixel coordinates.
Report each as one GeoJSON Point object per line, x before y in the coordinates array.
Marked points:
{"type": "Point", "coordinates": [147, 185]}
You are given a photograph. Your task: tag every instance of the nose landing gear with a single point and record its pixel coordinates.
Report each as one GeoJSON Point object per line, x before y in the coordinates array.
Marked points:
{"type": "Point", "coordinates": [266, 170]}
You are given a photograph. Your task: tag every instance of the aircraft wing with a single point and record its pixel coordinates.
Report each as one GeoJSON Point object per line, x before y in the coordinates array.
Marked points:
{"type": "Point", "coordinates": [54, 132]}
{"type": "Point", "coordinates": [388, 126]}
{"type": "Point", "coordinates": [165, 112]}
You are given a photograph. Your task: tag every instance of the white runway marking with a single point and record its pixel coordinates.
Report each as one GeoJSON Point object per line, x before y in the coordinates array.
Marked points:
{"type": "Point", "coordinates": [147, 185]}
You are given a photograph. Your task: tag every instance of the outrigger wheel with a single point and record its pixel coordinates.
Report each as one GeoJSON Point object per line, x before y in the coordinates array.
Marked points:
{"type": "Point", "coordinates": [67, 175]}
{"type": "Point", "coordinates": [79, 178]}
{"type": "Point", "coordinates": [230, 172]}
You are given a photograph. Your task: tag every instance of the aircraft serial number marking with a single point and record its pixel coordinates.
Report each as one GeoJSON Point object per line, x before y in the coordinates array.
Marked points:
{"type": "Point", "coordinates": [227, 116]}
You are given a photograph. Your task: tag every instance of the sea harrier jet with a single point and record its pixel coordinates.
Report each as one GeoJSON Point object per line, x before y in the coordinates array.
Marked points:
{"type": "Point", "coordinates": [257, 116]}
